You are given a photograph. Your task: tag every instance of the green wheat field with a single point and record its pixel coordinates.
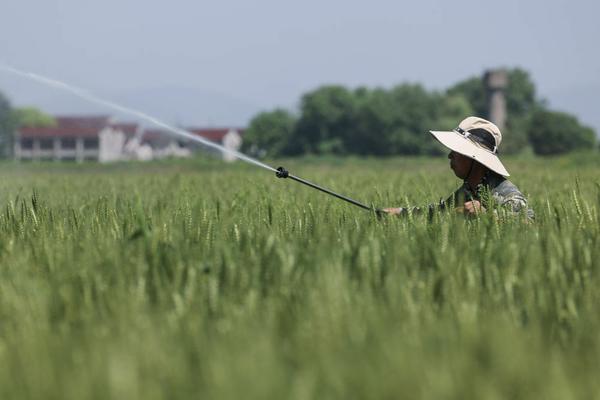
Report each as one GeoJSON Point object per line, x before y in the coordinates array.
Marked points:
{"type": "Point", "coordinates": [196, 279]}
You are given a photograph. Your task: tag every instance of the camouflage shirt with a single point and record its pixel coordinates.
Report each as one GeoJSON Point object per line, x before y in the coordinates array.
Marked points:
{"type": "Point", "coordinates": [494, 192]}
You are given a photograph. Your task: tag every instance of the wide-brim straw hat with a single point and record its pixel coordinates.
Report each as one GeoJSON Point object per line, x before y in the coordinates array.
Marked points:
{"type": "Point", "coordinates": [477, 139]}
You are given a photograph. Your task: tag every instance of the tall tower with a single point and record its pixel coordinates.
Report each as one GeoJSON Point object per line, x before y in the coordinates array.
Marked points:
{"type": "Point", "coordinates": [495, 82]}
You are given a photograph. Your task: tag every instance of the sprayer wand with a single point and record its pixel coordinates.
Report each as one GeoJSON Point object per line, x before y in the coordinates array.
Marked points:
{"type": "Point", "coordinates": [283, 173]}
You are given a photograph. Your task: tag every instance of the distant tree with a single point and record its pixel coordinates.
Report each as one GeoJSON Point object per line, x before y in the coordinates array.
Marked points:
{"type": "Point", "coordinates": [372, 123]}
{"type": "Point", "coordinates": [394, 121]}
{"type": "Point", "coordinates": [269, 133]}
{"type": "Point", "coordinates": [553, 132]}
{"type": "Point", "coordinates": [7, 127]}
{"type": "Point", "coordinates": [520, 93]}
{"type": "Point", "coordinates": [334, 119]}
{"type": "Point", "coordinates": [12, 119]}
{"type": "Point", "coordinates": [451, 110]}
{"type": "Point", "coordinates": [32, 117]}
{"type": "Point", "coordinates": [520, 103]}
{"type": "Point", "coordinates": [416, 113]}
{"type": "Point", "coordinates": [326, 116]}
{"type": "Point", "coordinates": [473, 90]}
{"type": "Point", "coordinates": [365, 121]}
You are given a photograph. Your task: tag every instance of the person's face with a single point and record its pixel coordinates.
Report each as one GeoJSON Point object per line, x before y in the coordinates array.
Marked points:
{"type": "Point", "coordinates": [459, 164]}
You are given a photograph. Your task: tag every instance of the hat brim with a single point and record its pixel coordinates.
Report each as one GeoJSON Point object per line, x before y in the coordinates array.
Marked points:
{"type": "Point", "coordinates": [460, 144]}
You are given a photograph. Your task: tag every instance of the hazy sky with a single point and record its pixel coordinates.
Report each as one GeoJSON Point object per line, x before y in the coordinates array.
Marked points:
{"type": "Point", "coordinates": [265, 53]}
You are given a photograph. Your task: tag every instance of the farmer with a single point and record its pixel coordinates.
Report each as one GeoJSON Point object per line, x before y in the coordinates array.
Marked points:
{"type": "Point", "coordinates": [474, 159]}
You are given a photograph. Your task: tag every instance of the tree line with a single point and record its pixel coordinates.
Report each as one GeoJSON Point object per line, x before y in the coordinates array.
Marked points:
{"type": "Point", "coordinates": [334, 119]}
{"type": "Point", "coordinates": [338, 120]}
{"type": "Point", "coordinates": [13, 118]}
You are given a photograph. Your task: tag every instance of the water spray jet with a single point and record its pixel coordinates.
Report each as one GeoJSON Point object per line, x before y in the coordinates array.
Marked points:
{"type": "Point", "coordinates": [279, 172]}
{"type": "Point", "coordinates": [84, 94]}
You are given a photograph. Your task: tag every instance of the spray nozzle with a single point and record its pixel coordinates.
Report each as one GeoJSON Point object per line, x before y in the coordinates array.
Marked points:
{"type": "Point", "coordinates": [281, 173]}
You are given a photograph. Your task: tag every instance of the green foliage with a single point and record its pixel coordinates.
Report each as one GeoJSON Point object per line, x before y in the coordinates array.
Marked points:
{"type": "Point", "coordinates": [269, 133]}
{"type": "Point", "coordinates": [473, 90]}
{"type": "Point", "coordinates": [415, 114]}
{"type": "Point", "coordinates": [380, 129]}
{"type": "Point", "coordinates": [384, 122]}
{"type": "Point", "coordinates": [451, 110]}
{"type": "Point", "coordinates": [366, 121]}
{"type": "Point", "coordinates": [32, 117]}
{"type": "Point", "coordinates": [553, 132]}
{"type": "Point", "coordinates": [7, 126]}
{"type": "Point", "coordinates": [520, 94]}
{"type": "Point", "coordinates": [152, 281]}
{"type": "Point", "coordinates": [13, 118]}
{"type": "Point", "coordinates": [521, 101]}
{"type": "Point", "coordinates": [373, 123]}
{"type": "Point", "coordinates": [325, 119]}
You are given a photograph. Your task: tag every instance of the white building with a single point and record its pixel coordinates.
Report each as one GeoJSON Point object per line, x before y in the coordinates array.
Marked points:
{"type": "Point", "coordinates": [74, 138]}
{"type": "Point", "coordinates": [100, 138]}
{"type": "Point", "coordinates": [230, 138]}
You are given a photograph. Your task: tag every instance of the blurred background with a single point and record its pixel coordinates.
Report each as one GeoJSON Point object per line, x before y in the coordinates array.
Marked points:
{"type": "Point", "coordinates": [292, 78]}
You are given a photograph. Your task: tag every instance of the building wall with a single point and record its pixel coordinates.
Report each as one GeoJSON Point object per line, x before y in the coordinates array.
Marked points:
{"type": "Point", "coordinates": [108, 145]}
{"type": "Point", "coordinates": [111, 145]}
{"type": "Point", "coordinates": [77, 149]}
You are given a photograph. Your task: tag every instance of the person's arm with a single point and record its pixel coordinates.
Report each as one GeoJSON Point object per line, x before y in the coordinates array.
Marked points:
{"type": "Point", "coordinates": [514, 203]}
{"type": "Point", "coordinates": [430, 208]}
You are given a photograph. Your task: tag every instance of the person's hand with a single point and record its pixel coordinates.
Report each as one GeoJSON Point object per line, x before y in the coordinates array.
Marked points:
{"type": "Point", "coordinates": [473, 207]}
{"type": "Point", "coordinates": [393, 211]}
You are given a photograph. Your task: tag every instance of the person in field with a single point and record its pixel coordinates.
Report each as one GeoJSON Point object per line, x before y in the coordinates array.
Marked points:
{"type": "Point", "coordinates": [474, 159]}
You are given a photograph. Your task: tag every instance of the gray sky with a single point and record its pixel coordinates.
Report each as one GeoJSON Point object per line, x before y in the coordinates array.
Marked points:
{"type": "Point", "coordinates": [259, 54]}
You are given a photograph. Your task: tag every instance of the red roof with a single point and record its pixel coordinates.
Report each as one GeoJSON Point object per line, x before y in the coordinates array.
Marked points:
{"type": "Point", "coordinates": [73, 127]}
{"type": "Point", "coordinates": [213, 134]}
{"type": "Point", "coordinates": [90, 127]}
